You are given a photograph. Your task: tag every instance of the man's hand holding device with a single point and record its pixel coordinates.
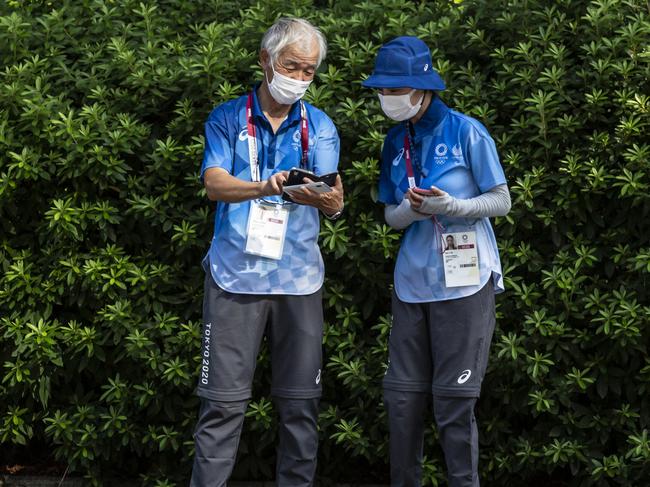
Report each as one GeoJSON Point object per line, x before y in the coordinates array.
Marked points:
{"type": "Point", "coordinates": [323, 192]}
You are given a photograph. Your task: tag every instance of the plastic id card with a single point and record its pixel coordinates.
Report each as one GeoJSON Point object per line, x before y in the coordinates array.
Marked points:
{"type": "Point", "coordinates": [460, 258]}
{"type": "Point", "coordinates": [267, 227]}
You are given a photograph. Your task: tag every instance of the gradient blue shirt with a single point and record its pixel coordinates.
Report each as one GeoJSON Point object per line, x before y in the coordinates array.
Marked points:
{"type": "Point", "coordinates": [455, 153]}
{"type": "Point", "coordinates": [300, 270]}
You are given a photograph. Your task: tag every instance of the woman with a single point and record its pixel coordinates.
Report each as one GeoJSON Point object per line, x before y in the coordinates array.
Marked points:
{"type": "Point", "coordinates": [440, 180]}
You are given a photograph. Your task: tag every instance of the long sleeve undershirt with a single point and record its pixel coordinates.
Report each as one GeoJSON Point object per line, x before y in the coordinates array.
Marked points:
{"type": "Point", "coordinates": [495, 202]}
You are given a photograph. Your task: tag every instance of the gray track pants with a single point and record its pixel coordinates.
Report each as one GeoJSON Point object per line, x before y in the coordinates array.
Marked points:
{"type": "Point", "coordinates": [233, 329]}
{"type": "Point", "coordinates": [217, 438]}
{"type": "Point", "coordinates": [438, 348]}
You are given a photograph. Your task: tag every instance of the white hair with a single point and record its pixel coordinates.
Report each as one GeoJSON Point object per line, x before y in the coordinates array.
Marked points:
{"type": "Point", "coordinates": [291, 30]}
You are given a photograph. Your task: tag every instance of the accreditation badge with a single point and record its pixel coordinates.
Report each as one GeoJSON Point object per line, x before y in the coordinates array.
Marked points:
{"type": "Point", "coordinates": [460, 257]}
{"type": "Point", "coordinates": [267, 227]}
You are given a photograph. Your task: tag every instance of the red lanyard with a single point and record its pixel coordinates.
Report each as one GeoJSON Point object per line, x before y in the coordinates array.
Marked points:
{"type": "Point", "coordinates": [304, 135]}
{"type": "Point", "coordinates": [407, 157]}
{"type": "Point", "coordinates": [252, 138]}
{"type": "Point", "coordinates": [437, 226]}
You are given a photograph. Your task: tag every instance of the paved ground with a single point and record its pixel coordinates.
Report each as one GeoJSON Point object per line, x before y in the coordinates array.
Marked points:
{"type": "Point", "coordinates": [272, 484]}
{"type": "Point", "coordinates": [32, 481]}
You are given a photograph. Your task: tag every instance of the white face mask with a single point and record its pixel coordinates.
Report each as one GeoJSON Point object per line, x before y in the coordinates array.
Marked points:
{"type": "Point", "coordinates": [398, 107]}
{"type": "Point", "coordinates": [285, 90]}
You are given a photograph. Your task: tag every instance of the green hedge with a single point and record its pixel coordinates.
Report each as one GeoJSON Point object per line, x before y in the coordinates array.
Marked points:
{"type": "Point", "coordinates": [103, 224]}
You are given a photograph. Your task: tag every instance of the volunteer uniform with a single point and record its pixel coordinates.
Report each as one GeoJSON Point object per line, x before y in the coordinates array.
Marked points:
{"type": "Point", "coordinates": [262, 283]}
{"type": "Point", "coordinates": [443, 300]}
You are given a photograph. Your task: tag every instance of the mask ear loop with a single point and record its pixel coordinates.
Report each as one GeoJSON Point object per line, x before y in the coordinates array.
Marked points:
{"type": "Point", "coordinates": [418, 104]}
{"type": "Point", "coordinates": [266, 76]}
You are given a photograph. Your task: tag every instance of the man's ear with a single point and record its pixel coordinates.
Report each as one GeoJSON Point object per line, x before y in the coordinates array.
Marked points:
{"type": "Point", "coordinates": [264, 58]}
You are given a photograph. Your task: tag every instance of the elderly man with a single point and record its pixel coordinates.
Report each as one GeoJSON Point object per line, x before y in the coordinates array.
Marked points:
{"type": "Point", "coordinates": [264, 270]}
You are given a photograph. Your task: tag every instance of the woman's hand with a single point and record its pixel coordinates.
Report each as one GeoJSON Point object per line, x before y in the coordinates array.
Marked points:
{"type": "Point", "coordinates": [429, 204]}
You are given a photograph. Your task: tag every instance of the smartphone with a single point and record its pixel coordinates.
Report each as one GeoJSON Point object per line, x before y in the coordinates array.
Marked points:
{"type": "Point", "coordinates": [329, 179]}
{"type": "Point", "coordinates": [297, 175]}
{"type": "Point", "coordinates": [422, 191]}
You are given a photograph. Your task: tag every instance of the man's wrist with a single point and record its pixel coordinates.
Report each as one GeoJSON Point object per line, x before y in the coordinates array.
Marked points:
{"type": "Point", "coordinates": [336, 214]}
{"type": "Point", "coordinates": [261, 189]}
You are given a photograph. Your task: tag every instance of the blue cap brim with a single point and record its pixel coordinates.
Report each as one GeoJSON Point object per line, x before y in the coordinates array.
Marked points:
{"type": "Point", "coordinates": [430, 81]}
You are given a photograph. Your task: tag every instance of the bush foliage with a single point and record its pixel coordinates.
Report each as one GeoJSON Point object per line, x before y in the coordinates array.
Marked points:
{"type": "Point", "coordinates": [103, 224]}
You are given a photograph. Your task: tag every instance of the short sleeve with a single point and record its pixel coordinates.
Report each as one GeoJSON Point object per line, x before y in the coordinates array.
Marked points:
{"type": "Point", "coordinates": [484, 160]}
{"type": "Point", "coordinates": [386, 186]}
{"type": "Point", "coordinates": [327, 148]}
{"type": "Point", "coordinates": [218, 151]}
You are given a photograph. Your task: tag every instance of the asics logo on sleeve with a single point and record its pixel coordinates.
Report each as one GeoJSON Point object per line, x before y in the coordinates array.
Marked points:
{"type": "Point", "coordinates": [318, 377]}
{"type": "Point", "coordinates": [464, 377]}
{"type": "Point", "coordinates": [398, 157]}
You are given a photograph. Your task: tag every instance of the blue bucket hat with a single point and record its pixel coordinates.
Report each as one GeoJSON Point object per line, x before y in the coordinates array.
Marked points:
{"type": "Point", "coordinates": [404, 62]}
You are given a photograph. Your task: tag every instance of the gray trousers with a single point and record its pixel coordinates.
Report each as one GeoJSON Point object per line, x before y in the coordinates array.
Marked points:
{"type": "Point", "coordinates": [233, 329]}
{"type": "Point", "coordinates": [217, 437]}
{"type": "Point", "coordinates": [440, 349]}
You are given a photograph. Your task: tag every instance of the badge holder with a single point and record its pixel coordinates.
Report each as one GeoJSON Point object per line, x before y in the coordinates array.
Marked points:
{"type": "Point", "coordinates": [460, 258]}
{"type": "Point", "coordinates": [267, 228]}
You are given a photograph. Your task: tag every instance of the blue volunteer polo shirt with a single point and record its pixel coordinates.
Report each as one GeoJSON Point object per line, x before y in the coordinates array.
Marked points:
{"type": "Point", "coordinates": [300, 270]}
{"type": "Point", "coordinates": [455, 153]}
